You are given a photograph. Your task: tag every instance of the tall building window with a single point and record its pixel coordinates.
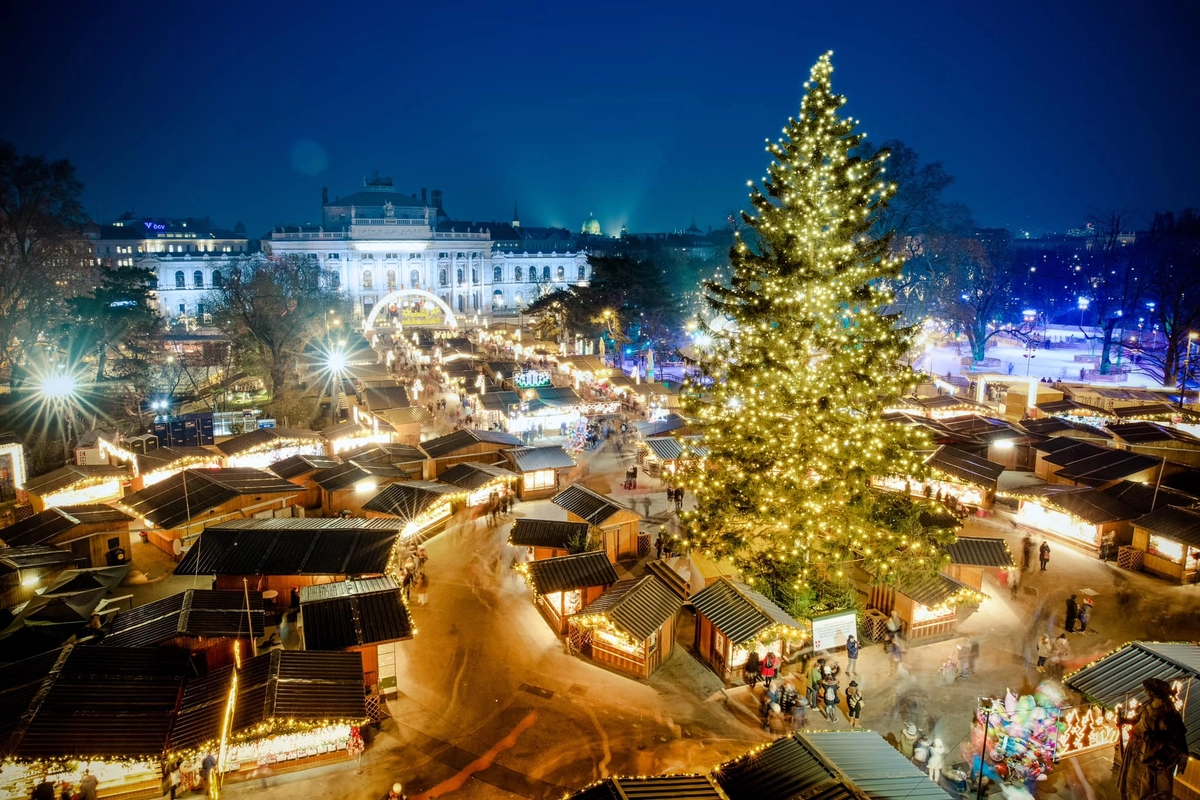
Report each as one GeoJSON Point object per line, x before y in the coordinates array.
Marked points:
{"type": "Point", "coordinates": [198, 279]}
{"type": "Point", "coordinates": [414, 279]}
{"type": "Point", "coordinates": [460, 304]}
{"type": "Point", "coordinates": [582, 273]}
{"type": "Point", "coordinates": [497, 275]}
{"type": "Point", "coordinates": [179, 280]}
{"type": "Point", "coordinates": [218, 279]}
{"type": "Point", "coordinates": [391, 279]}
{"type": "Point", "coordinates": [474, 275]}
{"type": "Point", "coordinates": [368, 282]}
{"type": "Point", "coordinates": [336, 279]}
{"type": "Point", "coordinates": [497, 299]}
{"type": "Point", "coordinates": [562, 274]}
{"type": "Point", "coordinates": [546, 273]}
{"type": "Point", "coordinates": [442, 276]}
{"type": "Point", "coordinates": [518, 274]}
{"type": "Point", "coordinates": [460, 277]}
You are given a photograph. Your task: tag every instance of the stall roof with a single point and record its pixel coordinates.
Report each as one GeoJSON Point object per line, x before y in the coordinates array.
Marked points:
{"type": "Point", "coordinates": [653, 787]}
{"type": "Point", "coordinates": [1058, 444]}
{"type": "Point", "coordinates": [173, 502]}
{"type": "Point", "coordinates": [942, 402]}
{"type": "Point", "coordinates": [404, 416]}
{"type": "Point", "coordinates": [931, 591]}
{"type": "Point", "coordinates": [251, 440]}
{"type": "Point", "coordinates": [554, 533]}
{"type": "Point", "coordinates": [338, 616]}
{"type": "Point", "coordinates": [588, 505]}
{"type": "Point", "coordinates": [164, 457]}
{"type": "Point", "coordinates": [1117, 677]}
{"type": "Point", "coordinates": [1050, 426]}
{"type": "Point", "coordinates": [41, 527]}
{"type": "Point", "coordinates": [1092, 506]}
{"type": "Point", "coordinates": [785, 769]}
{"type": "Point", "coordinates": [459, 440]}
{"type": "Point", "coordinates": [407, 501]}
{"type": "Point", "coordinates": [1145, 432]}
{"type": "Point", "coordinates": [665, 448]}
{"type": "Point", "coordinates": [391, 453]}
{"type": "Point", "coordinates": [669, 423]}
{"type": "Point", "coordinates": [70, 475]}
{"type": "Point", "coordinates": [979, 551]}
{"type": "Point", "coordinates": [472, 475]}
{"type": "Point", "coordinates": [105, 702]}
{"type": "Point", "coordinates": [531, 459]}
{"type": "Point", "coordinates": [1144, 497]}
{"type": "Point", "coordinates": [299, 550]}
{"type": "Point", "coordinates": [192, 613]}
{"type": "Point", "coordinates": [33, 556]}
{"type": "Point", "coordinates": [966, 467]}
{"type": "Point", "coordinates": [637, 606]}
{"type": "Point", "coordinates": [500, 401]}
{"type": "Point", "coordinates": [96, 513]}
{"type": "Point", "coordinates": [300, 685]}
{"type": "Point", "coordinates": [1145, 410]}
{"type": "Point", "coordinates": [577, 571]}
{"type": "Point", "coordinates": [1104, 466]}
{"type": "Point", "coordinates": [740, 612]}
{"type": "Point", "coordinates": [85, 579]}
{"type": "Point", "coordinates": [1173, 522]}
{"type": "Point", "coordinates": [1068, 406]}
{"type": "Point", "coordinates": [202, 708]}
{"type": "Point", "coordinates": [983, 430]}
{"type": "Point", "coordinates": [346, 475]}
{"type": "Point", "coordinates": [875, 768]}
{"type": "Point", "coordinates": [382, 398]}
{"type": "Point", "coordinates": [295, 466]}
{"type": "Point", "coordinates": [557, 396]}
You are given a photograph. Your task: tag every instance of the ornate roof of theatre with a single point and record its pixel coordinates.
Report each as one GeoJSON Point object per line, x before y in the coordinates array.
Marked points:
{"type": "Point", "coordinates": [738, 611]}
{"type": "Point", "coordinates": [192, 613]}
{"type": "Point", "coordinates": [265, 436]}
{"type": "Point", "coordinates": [472, 475]}
{"type": "Point", "coordinates": [965, 466]}
{"type": "Point", "coordinates": [531, 459]}
{"type": "Point", "coordinates": [553, 533]}
{"type": "Point", "coordinates": [407, 500]}
{"type": "Point", "coordinates": [460, 440]}
{"type": "Point", "coordinates": [979, 551]}
{"type": "Point", "coordinates": [637, 606]}
{"type": "Point", "coordinates": [588, 505]}
{"type": "Point", "coordinates": [295, 550]}
{"type": "Point", "coordinates": [577, 571]}
{"type": "Point", "coordinates": [176, 500]}
{"type": "Point", "coordinates": [1116, 678]}
{"type": "Point", "coordinates": [352, 613]}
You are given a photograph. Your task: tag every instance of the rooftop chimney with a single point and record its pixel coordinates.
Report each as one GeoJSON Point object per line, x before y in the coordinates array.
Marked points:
{"type": "Point", "coordinates": [424, 199]}
{"type": "Point", "coordinates": [436, 196]}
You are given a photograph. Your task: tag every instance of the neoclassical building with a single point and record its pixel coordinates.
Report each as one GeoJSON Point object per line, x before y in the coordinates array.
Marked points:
{"type": "Point", "coordinates": [398, 254]}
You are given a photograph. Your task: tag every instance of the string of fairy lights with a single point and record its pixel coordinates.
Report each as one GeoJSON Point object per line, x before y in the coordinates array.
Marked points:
{"type": "Point", "coordinates": [791, 406]}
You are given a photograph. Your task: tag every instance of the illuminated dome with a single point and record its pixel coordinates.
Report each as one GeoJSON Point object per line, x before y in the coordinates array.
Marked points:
{"type": "Point", "coordinates": [591, 226]}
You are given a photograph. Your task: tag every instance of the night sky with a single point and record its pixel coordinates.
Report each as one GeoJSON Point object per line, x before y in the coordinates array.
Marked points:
{"type": "Point", "coordinates": [1043, 111]}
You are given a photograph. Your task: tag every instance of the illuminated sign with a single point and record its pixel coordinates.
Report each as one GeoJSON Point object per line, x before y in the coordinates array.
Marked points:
{"type": "Point", "coordinates": [532, 378]}
{"type": "Point", "coordinates": [154, 226]}
{"type": "Point", "coordinates": [1086, 728]}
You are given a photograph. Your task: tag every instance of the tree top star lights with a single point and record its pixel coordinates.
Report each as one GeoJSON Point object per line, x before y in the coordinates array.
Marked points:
{"type": "Point", "coordinates": [795, 386]}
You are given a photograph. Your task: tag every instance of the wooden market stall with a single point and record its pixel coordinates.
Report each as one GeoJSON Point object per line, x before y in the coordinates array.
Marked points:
{"type": "Point", "coordinates": [1079, 516]}
{"type": "Point", "coordinates": [618, 524]}
{"type": "Point", "coordinates": [631, 627]}
{"type": "Point", "coordinates": [566, 585]}
{"type": "Point", "coordinates": [929, 607]}
{"type": "Point", "coordinates": [466, 445]}
{"type": "Point", "coordinates": [97, 532]}
{"type": "Point", "coordinates": [75, 484]}
{"type": "Point", "coordinates": [264, 446]}
{"type": "Point", "coordinates": [1167, 541]}
{"type": "Point", "coordinates": [422, 507]}
{"type": "Point", "coordinates": [732, 620]}
{"type": "Point", "coordinates": [971, 557]}
{"type": "Point", "coordinates": [547, 538]}
{"type": "Point", "coordinates": [25, 569]}
{"type": "Point", "coordinates": [347, 487]}
{"type": "Point", "coordinates": [301, 470]}
{"type": "Point", "coordinates": [540, 468]}
{"type": "Point", "coordinates": [481, 483]}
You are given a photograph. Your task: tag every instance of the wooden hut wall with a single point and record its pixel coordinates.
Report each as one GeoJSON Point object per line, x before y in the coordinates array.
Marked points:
{"type": "Point", "coordinates": [641, 665]}
{"type": "Point", "coordinates": [95, 548]}
{"type": "Point", "coordinates": [280, 583]}
{"type": "Point", "coordinates": [887, 600]}
{"type": "Point", "coordinates": [621, 540]}
{"type": "Point", "coordinates": [706, 645]}
{"type": "Point", "coordinates": [970, 575]}
{"type": "Point", "coordinates": [1174, 570]}
{"type": "Point", "coordinates": [480, 452]}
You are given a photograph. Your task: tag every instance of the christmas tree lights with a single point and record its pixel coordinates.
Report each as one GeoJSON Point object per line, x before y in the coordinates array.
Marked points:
{"type": "Point", "coordinates": [800, 368]}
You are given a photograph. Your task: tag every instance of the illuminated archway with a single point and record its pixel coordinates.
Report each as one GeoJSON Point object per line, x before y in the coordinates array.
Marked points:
{"type": "Point", "coordinates": [392, 297]}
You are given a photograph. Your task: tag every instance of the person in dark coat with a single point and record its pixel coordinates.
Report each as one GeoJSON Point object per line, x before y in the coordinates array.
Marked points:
{"type": "Point", "coordinates": [1026, 552]}
{"type": "Point", "coordinates": [1044, 554]}
{"type": "Point", "coordinates": [1072, 613]}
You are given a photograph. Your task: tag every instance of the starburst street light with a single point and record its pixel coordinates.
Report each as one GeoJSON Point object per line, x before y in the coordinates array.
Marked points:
{"type": "Point", "coordinates": [58, 390]}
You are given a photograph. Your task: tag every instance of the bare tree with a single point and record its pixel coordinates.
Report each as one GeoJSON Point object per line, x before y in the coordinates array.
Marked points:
{"type": "Point", "coordinates": [1112, 280]}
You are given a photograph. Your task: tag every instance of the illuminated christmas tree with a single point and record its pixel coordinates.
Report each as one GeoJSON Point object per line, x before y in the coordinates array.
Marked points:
{"type": "Point", "coordinates": [803, 357]}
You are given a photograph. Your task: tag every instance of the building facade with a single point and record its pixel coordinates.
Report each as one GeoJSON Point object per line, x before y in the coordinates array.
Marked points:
{"type": "Point", "coordinates": [396, 254]}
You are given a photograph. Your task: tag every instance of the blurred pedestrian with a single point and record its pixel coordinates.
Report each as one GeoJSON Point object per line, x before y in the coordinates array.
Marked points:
{"type": "Point", "coordinates": [768, 669]}
{"type": "Point", "coordinates": [1014, 581]}
{"type": "Point", "coordinates": [1085, 614]}
{"type": "Point", "coordinates": [937, 759]}
{"type": "Point", "coordinates": [1044, 554]}
{"type": "Point", "coordinates": [1072, 613]}
{"type": "Point", "coordinates": [816, 674]}
{"type": "Point", "coordinates": [752, 669]}
{"type": "Point", "coordinates": [854, 703]}
{"type": "Point", "coordinates": [852, 648]}
{"type": "Point", "coordinates": [422, 590]}
{"type": "Point", "coordinates": [921, 754]}
{"type": "Point", "coordinates": [87, 786]}
{"type": "Point", "coordinates": [829, 696]}
{"type": "Point", "coordinates": [1062, 651]}
{"type": "Point", "coordinates": [907, 740]}
{"type": "Point", "coordinates": [1045, 649]}
{"type": "Point", "coordinates": [1026, 552]}
{"type": "Point", "coordinates": [800, 714]}
{"type": "Point", "coordinates": [895, 659]}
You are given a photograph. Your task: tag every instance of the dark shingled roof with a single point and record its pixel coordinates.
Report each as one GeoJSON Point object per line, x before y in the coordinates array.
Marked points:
{"type": "Point", "coordinates": [1116, 678]}
{"type": "Point", "coordinates": [977, 551]}
{"type": "Point", "coordinates": [588, 505]}
{"type": "Point", "coordinates": [300, 685]}
{"type": "Point", "coordinates": [459, 440]}
{"type": "Point", "coordinates": [352, 613]}
{"type": "Point", "coordinates": [52, 522]}
{"type": "Point", "coordinates": [784, 769]}
{"type": "Point", "coordinates": [1100, 465]}
{"type": "Point", "coordinates": [531, 459]}
{"type": "Point", "coordinates": [202, 709]}
{"type": "Point", "coordinates": [739, 612]}
{"type": "Point", "coordinates": [1143, 497]}
{"type": "Point", "coordinates": [185, 495]}
{"type": "Point", "coordinates": [407, 501]}
{"type": "Point", "coordinates": [1173, 522]}
{"type": "Point", "coordinates": [32, 556]}
{"type": "Point", "coordinates": [671, 422]}
{"type": "Point", "coordinates": [1091, 506]}
{"type": "Point", "coordinates": [245, 442]}
{"type": "Point", "coordinates": [965, 466]}
{"type": "Point", "coordinates": [295, 466]}
{"type": "Point", "coordinates": [1146, 432]}
{"type": "Point", "coordinates": [1145, 411]}
{"type": "Point", "coordinates": [166, 456]}
{"type": "Point", "coordinates": [867, 762]}
{"type": "Point", "coordinates": [96, 513]}
{"type": "Point", "coordinates": [637, 606]}
{"type": "Point", "coordinates": [343, 476]}
{"type": "Point", "coordinates": [528, 532]}
{"type": "Point", "coordinates": [930, 591]}
{"type": "Point", "coordinates": [292, 550]}
{"type": "Point", "coordinates": [472, 475]}
{"type": "Point", "coordinates": [654, 787]}
{"type": "Point", "coordinates": [576, 571]}
{"type": "Point", "coordinates": [382, 398]}
{"type": "Point", "coordinates": [389, 453]}
{"type": "Point", "coordinates": [70, 475]}
{"type": "Point", "coordinates": [192, 613]}
{"type": "Point", "coordinates": [104, 702]}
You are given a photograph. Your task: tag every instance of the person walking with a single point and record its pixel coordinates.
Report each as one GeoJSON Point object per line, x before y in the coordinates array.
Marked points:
{"type": "Point", "coordinates": [174, 779]}
{"type": "Point", "coordinates": [816, 673]}
{"type": "Point", "coordinates": [1062, 651]}
{"type": "Point", "coordinates": [1044, 554]}
{"type": "Point", "coordinates": [1026, 552]}
{"type": "Point", "coordinates": [1072, 613]}
{"type": "Point", "coordinates": [852, 649]}
{"type": "Point", "coordinates": [768, 670]}
{"type": "Point", "coordinates": [1014, 581]}
{"type": "Point", "coordinates": [937, 760]}
{"type": "Point", "coordinates": [800, 714]}
{"type": "Point", "coordinates": [752, 669]}
{"type": "Point", "coordinates": [1085, 614]}
{"type": "Point", "coordinates": [921, 754]}
{"type": "Point", "coordinates": [422, 590]}
{"type": "Point", "coordinates": [854, 703]}
{"type": "Point", "coordinates": [658, 544]}
{"type": "Point", "coordinates": [88, 785]}
{"type": "Point", "coordinates": [829, 694]}
{"type": "Point", "coordinates": [907, 740]}
{"type": "Point", "coordinates": [895, 658]}
{"type": "Point", "coordinates": [1045, 649]}
{"type": "Point", "coordinates": [679, 499]}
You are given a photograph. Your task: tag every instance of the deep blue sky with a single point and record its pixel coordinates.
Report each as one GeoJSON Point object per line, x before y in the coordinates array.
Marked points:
{"type": "Point", "coordinates": [645, 113]}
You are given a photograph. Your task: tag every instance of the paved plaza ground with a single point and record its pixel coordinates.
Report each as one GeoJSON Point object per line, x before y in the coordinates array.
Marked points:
{"type": "Point", "coordinates": [492, 705]}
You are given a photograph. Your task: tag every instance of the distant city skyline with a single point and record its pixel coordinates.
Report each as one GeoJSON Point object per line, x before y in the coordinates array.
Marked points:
{"type": "Point", "coordinates": [649, 118]}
